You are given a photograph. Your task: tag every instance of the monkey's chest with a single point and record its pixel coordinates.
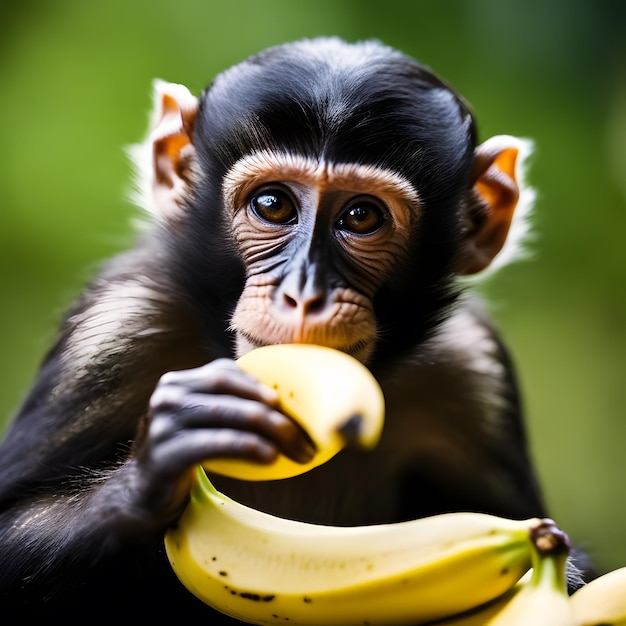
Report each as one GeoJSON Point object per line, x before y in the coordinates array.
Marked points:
{"type": "Point", "coordinates": [369, 487]}
{"type": "Point", "coordinates": [354, 488]}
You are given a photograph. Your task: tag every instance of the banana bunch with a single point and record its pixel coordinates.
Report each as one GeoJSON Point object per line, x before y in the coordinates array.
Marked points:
{"type": "Point", "coordinates": [262, 569]}
{"type": "Point", "coordinates": [457, 569]}
{"type": "Point", "coordinates": [330, 394]}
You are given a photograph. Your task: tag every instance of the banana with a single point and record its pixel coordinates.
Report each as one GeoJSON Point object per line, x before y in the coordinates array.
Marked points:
{"type": "Point", "coordinates": [602, 602]}
{"type": "Point", "coordinates": [542, 599]}
{"type": "Point", "coordinates": [330, 394]}
{"type": "Point", "coordinates": [485, 614]}
{"type": "Point", "coordinates": [262, 569]}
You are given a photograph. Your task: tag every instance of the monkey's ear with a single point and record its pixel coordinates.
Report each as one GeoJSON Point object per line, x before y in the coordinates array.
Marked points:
{"type": "Point", "coordinates": [165, 161]}
{"type": "Point", "coordinates": [495, 217]}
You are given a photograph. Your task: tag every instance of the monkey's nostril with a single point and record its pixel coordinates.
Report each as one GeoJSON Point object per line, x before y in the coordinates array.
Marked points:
{"type": "Point", "coordinates": [314, 305]}
{"type": "Point", "coordinates": [290, 302]}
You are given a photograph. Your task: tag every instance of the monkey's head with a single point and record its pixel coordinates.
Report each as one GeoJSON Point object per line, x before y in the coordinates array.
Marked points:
{"type": "Point", "coordinates": [334, 190]}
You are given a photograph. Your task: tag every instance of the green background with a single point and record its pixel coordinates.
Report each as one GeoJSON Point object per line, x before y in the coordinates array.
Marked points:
{"type": "Point", "coordinates": [75, 84]}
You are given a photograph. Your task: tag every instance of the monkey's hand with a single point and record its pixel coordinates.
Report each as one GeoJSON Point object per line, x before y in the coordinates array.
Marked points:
{"type": "Point", "coordinates": [216, 410]}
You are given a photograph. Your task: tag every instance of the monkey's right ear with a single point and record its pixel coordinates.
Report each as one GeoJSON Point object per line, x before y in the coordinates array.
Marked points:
{"type": "Point", "coordinates": [165, 161]}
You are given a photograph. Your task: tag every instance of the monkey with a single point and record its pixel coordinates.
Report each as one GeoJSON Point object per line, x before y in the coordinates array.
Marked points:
{"type": "Point", "coordinates": [320, 192]}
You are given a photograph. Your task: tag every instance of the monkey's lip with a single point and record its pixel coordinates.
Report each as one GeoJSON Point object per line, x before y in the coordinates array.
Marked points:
{"type": "Point", "coordinates": [360, 350]}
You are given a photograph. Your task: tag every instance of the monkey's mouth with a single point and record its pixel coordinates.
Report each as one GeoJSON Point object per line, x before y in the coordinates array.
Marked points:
{"type": "Point", "coordinates": [361, 349]}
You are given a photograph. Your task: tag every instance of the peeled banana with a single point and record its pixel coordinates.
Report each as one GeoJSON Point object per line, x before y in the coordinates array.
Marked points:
{"type": "Point", "coordinates": [263, 569]}
{"type": "Point", "coordinates": [330, 394]}
{"type": "Point", "coordinates": [602, 602]}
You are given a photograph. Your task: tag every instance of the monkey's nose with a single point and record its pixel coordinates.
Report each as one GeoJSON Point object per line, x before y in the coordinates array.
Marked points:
{"type": "Point", "coordinates": [301, 291]}
{"type": "Point", "coordinates": [308, 304]}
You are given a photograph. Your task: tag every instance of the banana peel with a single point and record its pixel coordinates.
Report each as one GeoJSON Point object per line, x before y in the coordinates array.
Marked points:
{"type": "Point", "coordinates": [602, 601]}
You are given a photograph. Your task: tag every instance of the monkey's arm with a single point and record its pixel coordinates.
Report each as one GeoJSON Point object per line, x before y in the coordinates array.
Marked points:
{"type": "Point", "coordinates": [84, 473]}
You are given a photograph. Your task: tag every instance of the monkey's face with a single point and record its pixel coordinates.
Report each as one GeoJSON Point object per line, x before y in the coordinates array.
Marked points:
{"type": "Point", "coordinates": [317, 240]}
{"type": "Point", "coordinates": [350, 184]}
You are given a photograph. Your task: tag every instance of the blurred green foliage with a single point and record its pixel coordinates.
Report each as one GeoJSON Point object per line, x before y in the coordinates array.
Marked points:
{"type": "Point", "coordinates": [75, 86]}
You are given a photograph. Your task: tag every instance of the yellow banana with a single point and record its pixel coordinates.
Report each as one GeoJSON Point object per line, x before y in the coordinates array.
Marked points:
{"type": "Point", "coordinates": [602, 602]}
{"type": "Point", "coordinates": [330, 394]}
{"type": "Point", "coordinates": [485, 614]}
{"type": "Point", "coordinates": [542, 599]}
{"type": "Point", "coordinates": [263, 569]}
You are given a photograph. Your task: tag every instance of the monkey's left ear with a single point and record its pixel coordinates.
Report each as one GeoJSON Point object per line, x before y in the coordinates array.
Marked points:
{"type": "Point", "coordinates": [493, 206]}
{"type": "Point", "coordinates": [165, 161]}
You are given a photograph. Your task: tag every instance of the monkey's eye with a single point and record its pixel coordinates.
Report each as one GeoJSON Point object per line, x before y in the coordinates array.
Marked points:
{"type": "Point", "coordinates": [361, 218]}
{"type": "Point", "coordinates": [274, 206]}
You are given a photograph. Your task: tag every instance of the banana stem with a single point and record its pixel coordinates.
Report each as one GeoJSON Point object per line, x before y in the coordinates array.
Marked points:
{"type": "Point", "coordinates": [551, 546]}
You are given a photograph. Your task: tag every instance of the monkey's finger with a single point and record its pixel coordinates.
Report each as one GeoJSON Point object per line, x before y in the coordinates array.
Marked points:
{"type": "Point", "coordinates": [192, 447]}
{"type": "Point", "coordinates": [206, 411]}
{"type": "Point", "coordinates": [222, 376]}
